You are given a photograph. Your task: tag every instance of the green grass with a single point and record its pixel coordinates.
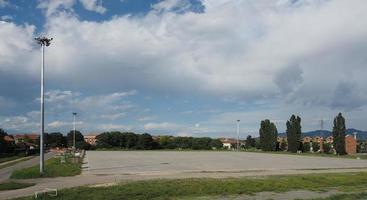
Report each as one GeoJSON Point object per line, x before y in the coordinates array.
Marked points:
{"type": "Point", "coordinates": [53, 168]}
{"type": "Point", "coordinates": [186, 188]}
{"type": "Point", "coordinates": [14, 185]}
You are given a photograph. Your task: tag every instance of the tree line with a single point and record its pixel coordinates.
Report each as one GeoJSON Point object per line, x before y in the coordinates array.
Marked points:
{"type": "Point", "coordinates": [269, 134]}
{"type": "Point", "coordinates": [51, 140]}
{"type": "Point", "coordinates": [131, 141]}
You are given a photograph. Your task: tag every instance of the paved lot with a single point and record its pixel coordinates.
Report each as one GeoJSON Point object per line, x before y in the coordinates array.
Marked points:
{"type": "Point", "coordinates": [115, 166]}
{"type": "Point", "coordinates": [174, 162]}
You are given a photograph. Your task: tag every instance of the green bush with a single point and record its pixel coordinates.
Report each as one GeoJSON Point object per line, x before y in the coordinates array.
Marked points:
{"type": "Point", "coordinates": [315, 146]}
{"type": "Point", "coordinates": [327, 148]}
{"type": "Point", "coordinates": [306, 147]}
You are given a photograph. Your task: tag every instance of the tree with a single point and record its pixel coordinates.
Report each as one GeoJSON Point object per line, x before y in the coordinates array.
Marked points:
{"type": "Point", "coordinates": [103, 140]}
{"type": "Point", "coordinates": [79, 139]}
{"type": "Point", "coordinates": [201, 143]}
{"type": "Point", "coordinates": [326, 147]}
{"type": "Point", "coordinates": [315, 146]}
{"type": "Point", "coordinates": [306, 147]}
{"type": "Point", "coordinates": [145, 141]}
{"type": "Point", "coordinates": [3, 143]}
{"type": "Point", "coordinates": [131, 140]}
{"type": "Point", "coordinates": [250, 142]}
{"type": "Point", "coordinates": [268, 135]}
{"type": "Point", "coordinates": [56, 139]}
{"type": "Point", "coordinates": [180, 142]}
{"type": "Point", "coordinates": [216, 144]}
{"type": "Point", "coordinates": [283, 145]}
{"type": "Point", "coordinates": [294, 133]}
{"type": "Point", "coordinates": [339, 134]}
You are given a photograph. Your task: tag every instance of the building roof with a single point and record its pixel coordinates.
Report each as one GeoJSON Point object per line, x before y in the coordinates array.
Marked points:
{"type": "Point", "coordinates": [8, 138]}
{"type": "Point", "coordinates": [32, 136]}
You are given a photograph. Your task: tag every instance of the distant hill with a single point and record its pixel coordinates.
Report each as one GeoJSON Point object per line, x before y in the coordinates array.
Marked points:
{"type": "Point", "coordinates": [361, 135]}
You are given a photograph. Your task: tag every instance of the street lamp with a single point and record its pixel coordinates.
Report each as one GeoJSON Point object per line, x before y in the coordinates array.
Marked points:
{"type": "Point", "coordinates": [238, 134]}
{"type": "Point", "coordinates": [43, 41]}
{"type": "Point", "coordinates": [74, 115]}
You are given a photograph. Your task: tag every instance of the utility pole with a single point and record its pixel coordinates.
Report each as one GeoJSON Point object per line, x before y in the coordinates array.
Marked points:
{"type": "Point", "coordinates": [322, 127]}
{"type": "Point", "coordinates": [74, 115]}
{"type": "Point", "coordinates": [238, 134]}
{"type": "Point", "coordinates": [43, 41]}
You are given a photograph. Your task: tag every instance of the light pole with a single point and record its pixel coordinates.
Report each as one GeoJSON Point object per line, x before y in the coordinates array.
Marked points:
{"type": "Point", "coordinates": [43, 41]}
{"type": "Point", "coordinates": [238, 134]}
{"type": "Point", "coordinates": [74, 115]}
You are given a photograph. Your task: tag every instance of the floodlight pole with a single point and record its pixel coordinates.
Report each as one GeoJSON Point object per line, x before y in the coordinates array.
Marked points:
{"type": "Point", "coordinates": [43, 41]}
{"type": "Point", "coordinates": [238, 135]}
{"type": "Point", "coordinates": [74, 115]}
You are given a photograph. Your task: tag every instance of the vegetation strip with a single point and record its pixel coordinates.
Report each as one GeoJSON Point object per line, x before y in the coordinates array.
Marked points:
{"type": "Point", "coordinates": [172, 189]}
{"type": "Point", "coordinates": [13, 162]}
{"type": "Point", "coordinates": [14, 185]}
{"type": "Point", "coordinates": [53, 168]}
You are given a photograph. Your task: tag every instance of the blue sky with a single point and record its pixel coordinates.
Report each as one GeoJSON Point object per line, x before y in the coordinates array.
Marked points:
{"type": "Point", "coordinates": [183, 67]}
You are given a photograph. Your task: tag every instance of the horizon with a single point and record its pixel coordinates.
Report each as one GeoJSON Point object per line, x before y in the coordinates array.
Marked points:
{"type": "Point", "coordinates": [186, 67]}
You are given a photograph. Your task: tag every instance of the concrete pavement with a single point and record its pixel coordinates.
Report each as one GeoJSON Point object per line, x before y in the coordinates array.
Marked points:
{"type": "Point", "coordinates": [106, 167]}
{"type": "Point", "coordinates": [175, 162]}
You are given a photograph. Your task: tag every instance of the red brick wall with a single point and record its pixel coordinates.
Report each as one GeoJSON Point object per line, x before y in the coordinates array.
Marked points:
{"type": "Point", "coordinates": [350, 145]}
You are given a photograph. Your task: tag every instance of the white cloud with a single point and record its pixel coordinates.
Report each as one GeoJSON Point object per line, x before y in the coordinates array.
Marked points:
{"type": "Point", "coordinates": [63, 124]}
{"type": "Point", "coordinates": [164, 126]}
{"type": "Point", "coordinates": [94, 5]}
{"type": "Point", "coordinates": [18, 123]}
{"type": "Point", "coordinates": [113, 127]}
{"type": "Point", "coordinates": [52, 7]}
{"type": "Point", "coordinates": [147, 118]}
{"type": "Point", "coordinates": [113, 116]}
{"type": "Point", "coordinates": [3, 3]}
{"type": "Point", "coordinates": [6, 17]}
{"type": "Point", "coordinates": [224, 51]}
{"type": "Point", "coordinates": [290, 55]}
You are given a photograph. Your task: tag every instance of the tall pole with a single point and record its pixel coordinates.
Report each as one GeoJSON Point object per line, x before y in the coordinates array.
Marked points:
{"type": "Point", "coordinates": [238, 135]}
{"type": "Point", "coordinates": [43, 42]}
{"type": "Point", "coordinates": [74, 115]}
{"type": "Point", "coordinates": [42, 159]}
{"type": "Point", "coordinates": [322, 127]}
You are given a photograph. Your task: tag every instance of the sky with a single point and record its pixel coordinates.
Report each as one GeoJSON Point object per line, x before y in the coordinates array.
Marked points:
{"type": "Point", "coordinates": [183, 67]}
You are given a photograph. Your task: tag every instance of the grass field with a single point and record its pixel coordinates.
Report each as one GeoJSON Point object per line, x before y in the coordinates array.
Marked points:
{"type": "Point", "coordinates": [186, 188]}
{"type": "Point", "coordinates": [14, 185]}
{"type": "Point", "coordinates": [53, 168]}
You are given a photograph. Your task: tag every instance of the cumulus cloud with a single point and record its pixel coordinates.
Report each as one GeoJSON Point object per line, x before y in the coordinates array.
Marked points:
{"type": "Point", "coordinates": [3, 3]}
{"type": "Point", "coordinates": [347, 96]}
{"type": "Point", "coordinates": [164, 126]}
{"type": "Point", "coordinates": [51, 7]}
{"type": "Point", "coordinates": [113, 127]}
{"type": "Point", "coordinates": [225, 50]}
{"type": "Point", "coordinates": [94, 5]}
{"type": "Point", "coordinates": [279, 52]}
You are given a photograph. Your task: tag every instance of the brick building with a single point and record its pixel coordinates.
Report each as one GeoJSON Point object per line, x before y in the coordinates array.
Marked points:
{"type": "Point", "coordinates": [91, 139]}
{"type": "Point", "coordinates": [350, 145]}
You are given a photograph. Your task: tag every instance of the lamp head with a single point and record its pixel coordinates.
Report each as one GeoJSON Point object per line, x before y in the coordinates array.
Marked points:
{"type": "Point", "coordinates": [43, 41]}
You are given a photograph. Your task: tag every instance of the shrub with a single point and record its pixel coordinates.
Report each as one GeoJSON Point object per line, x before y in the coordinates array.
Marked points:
{"type": "Point", "coordinates": [306, 147]}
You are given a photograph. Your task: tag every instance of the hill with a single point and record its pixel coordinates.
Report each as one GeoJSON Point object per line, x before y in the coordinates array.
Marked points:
{"type": "Point", "coordinates": [361, 135]}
